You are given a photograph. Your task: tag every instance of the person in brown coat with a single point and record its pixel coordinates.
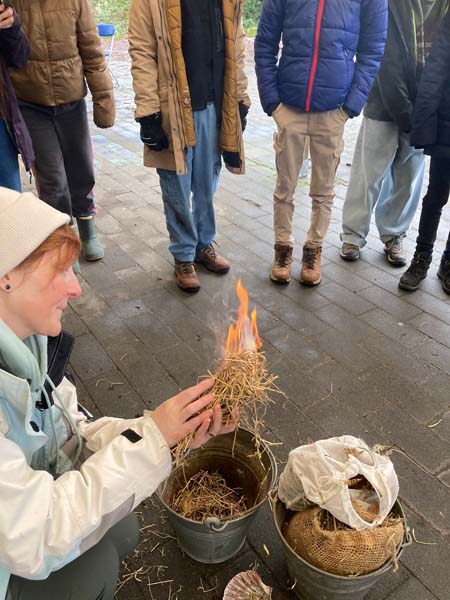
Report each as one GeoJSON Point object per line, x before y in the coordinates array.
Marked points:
{"type": "Point", "coordinates": [66, 58]}
{"type": "Point", "coordinates": [191, 103]}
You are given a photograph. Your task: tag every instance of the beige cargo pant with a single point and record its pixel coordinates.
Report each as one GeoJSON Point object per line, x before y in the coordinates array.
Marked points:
{"type": "Point", "coordinates": [325, 132]}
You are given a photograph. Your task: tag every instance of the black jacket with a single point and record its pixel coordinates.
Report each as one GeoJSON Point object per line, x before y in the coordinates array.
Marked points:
{"type": "Point", "coordinates": [431, 120]}
{"type": "Point", "coordinates": [394, 92]}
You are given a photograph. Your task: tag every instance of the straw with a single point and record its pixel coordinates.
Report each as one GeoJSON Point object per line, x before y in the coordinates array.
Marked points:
{"type": "Point", "coordinates": [242, 386]}
{"type": "Point", "coordinates": [208, 495]}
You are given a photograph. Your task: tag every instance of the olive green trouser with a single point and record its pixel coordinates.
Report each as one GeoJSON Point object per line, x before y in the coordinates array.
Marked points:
{"type": "Point", "coordinates": [92, 576]}
{"type": "Point", "coordinates": [325, 132]}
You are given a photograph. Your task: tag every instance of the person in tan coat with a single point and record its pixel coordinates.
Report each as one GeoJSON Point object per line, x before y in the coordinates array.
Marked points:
{"type": "Point", "coordinates": [191, 103]}
{"type": "Point", "coordinates": [66, 58]}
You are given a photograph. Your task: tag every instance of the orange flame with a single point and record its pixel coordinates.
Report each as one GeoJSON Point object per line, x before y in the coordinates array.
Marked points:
{"type": "Point", "coordinates": [244, 335]}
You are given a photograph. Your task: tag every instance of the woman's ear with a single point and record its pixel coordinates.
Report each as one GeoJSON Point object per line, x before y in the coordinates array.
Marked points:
{"type": "Point", "coordinates": [5, 283]}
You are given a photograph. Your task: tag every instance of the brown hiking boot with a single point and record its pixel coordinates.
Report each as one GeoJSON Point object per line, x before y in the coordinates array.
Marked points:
{"type": "Point", "coordinates": [310, 274]}
{"type": "Point", "coordinates": [212, 261]}
{"type": "Point", "coordinates": [186, 277]}
{"type": "Point", "coordinates": [281, 269]}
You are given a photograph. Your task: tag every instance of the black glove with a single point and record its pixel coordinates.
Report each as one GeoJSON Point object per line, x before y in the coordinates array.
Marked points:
{"type": "Point", "coordinates": [350, 112]}
{"type": "Point", "coordinates": [152, 133]}
{"type": "Point", "coordinates": [232, 159]}
{"type": "Point", "coordinates": [243, 112]}
{"type": "Point", "coordinates": [272, 108]}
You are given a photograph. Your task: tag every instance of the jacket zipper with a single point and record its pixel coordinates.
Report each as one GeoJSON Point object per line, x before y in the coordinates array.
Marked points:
{"type": "Point", "coordinates": [315, 60]}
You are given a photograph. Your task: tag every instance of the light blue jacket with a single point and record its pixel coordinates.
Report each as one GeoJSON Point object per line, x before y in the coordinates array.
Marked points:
{"type": "Point", "coordinates": [50, 512]}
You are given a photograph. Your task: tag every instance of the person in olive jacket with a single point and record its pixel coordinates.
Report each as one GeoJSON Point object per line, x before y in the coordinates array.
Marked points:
{"type": "Point", "coordinates": [66, 54]}
{"type": "Point", "coordinates": [387, 173]}
{"type": "Point", "coordinates": [431, 131]}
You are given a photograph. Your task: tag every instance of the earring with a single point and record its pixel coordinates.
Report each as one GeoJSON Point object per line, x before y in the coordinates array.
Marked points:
{"type": "Point", "coordinates": [7, 287]}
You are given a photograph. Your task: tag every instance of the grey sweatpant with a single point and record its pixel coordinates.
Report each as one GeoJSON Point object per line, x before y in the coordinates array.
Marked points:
{"type": "Point", "coordinates": [64, 165]}
{"type": "Point", "coordinates": [92, 576]}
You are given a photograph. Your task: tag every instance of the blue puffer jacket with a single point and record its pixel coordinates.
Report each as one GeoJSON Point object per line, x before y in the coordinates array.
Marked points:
{"type": "Point", "coordinates": [330, 57]}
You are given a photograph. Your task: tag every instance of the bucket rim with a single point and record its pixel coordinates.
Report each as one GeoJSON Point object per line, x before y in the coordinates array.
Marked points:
{"type": "Point", "coordinates": [388, 565]}
{"type": "Point", "coordinates": [246, 513]}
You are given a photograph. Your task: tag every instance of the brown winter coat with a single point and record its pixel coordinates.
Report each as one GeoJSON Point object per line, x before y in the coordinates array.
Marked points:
{"type": "Point", "coordinates": [160, 81]}
{"type": "Point", "coordinates": [66, 52]}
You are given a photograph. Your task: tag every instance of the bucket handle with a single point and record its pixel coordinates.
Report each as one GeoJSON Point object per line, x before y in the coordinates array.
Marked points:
{"type": "Point", "coordinates": [215, 524]}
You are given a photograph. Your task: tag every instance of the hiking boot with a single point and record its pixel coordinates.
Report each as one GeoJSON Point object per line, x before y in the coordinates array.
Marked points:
{"type": "Point", "coordinates": [417, 270]}
{"type": "Point", "coordinates": [91, 247]}
{"type": "Point", "coordinates": [310, 273]}
{"type": "Point", "coordinates": [281, 269]}
{"type": "Point", "coordinates": [444, 274]}
{"type": "Point", "coordinates": [186, 276]}
{"type": "Point", "coordinates": [349, 252]}
{"type": "Point", "coordinates": [208, 257]}
{"type": "Point", "coordinates": [394, 251]}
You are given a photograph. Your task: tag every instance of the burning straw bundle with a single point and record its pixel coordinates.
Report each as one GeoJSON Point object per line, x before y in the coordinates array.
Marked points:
{"type": "Point", "coordinates": [242, 382]}
{"type": "Point", "coordinates": [208, 495]}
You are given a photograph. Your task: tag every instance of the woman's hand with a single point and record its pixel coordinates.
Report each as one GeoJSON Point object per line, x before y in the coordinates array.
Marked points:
{"type": "Point", "coordinates": [6, 17]}
{"type": "Point", "coordinates": [177, 417]}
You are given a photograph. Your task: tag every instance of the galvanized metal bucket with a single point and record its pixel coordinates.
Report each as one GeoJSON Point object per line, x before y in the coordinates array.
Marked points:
{"type": "Point", "coordinates": [311, 583]}
{"type": "Point", "coordinates": [215, 541]}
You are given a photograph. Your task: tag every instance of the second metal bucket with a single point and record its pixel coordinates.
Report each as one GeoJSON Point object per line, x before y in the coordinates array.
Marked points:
{"type": "Point", "coordinates": [215, 541]}
{"type": "Point", "coordinates": [311, 583]}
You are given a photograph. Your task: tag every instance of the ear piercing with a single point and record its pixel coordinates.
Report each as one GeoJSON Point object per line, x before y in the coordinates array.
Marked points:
{"type": "Point", "coordinates": [7, 287]}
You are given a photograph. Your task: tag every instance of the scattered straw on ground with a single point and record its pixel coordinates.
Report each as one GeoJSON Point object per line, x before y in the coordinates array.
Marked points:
{"type": "Point", "coordinates": [208, 495]}
{"type": "Point", "coordinates": [242, 386]}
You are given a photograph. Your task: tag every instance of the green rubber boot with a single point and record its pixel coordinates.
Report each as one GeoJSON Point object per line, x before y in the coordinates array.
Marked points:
{"type": "Point", "coordinates": [90, 245]}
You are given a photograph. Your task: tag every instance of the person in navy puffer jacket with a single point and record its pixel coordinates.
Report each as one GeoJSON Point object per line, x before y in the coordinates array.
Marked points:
{"type": "Point", "coordinates": [330, 57]}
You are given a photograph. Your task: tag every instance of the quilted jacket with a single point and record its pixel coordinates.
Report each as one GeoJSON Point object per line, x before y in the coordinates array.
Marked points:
{"type": "Point", "coordinates": [331, 52]}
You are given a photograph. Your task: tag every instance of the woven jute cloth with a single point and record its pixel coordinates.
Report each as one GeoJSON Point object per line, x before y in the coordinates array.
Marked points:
{"type": "Point", "coordinates": [324, 543]}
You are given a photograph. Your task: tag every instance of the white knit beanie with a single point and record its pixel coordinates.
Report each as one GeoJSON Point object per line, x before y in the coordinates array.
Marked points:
{"type": "Point", "coordinates": [25, 222]}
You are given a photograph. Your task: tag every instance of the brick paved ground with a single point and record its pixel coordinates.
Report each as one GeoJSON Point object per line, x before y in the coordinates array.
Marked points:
{"type": "Point", "coordinates": [356, 355]}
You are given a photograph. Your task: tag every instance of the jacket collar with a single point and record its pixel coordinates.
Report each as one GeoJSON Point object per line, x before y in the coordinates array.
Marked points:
{"type": "Point", "coordinates": [24, 359]}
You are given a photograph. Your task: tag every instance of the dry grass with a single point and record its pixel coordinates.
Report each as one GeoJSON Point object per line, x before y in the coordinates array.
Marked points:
{"type": "Point", "coordinates": [208, 495]}
{"type": "Point", "coordinates": [242, 387]}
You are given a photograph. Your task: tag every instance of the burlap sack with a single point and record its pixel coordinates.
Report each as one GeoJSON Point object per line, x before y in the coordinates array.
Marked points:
{"type": "Point", "coordinates": [342, 551]}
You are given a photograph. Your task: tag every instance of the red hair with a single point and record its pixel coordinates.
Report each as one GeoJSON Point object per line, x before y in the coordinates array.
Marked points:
{"type": "Point", "coordinates": [64, 241]}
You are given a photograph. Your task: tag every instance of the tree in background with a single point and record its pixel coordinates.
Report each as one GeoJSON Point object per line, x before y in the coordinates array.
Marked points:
{"type": "Point", "coordinates": [116, 12]}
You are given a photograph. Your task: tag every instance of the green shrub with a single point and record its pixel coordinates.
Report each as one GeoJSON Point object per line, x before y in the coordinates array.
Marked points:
{"type": "Point", "coordinates": [252, 9]}
{"type": "Point", "coordinates": [116, 12]}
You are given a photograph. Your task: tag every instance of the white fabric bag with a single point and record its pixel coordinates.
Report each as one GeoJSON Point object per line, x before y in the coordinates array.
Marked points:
{"type": "Point", "coordinates": [321, 471]}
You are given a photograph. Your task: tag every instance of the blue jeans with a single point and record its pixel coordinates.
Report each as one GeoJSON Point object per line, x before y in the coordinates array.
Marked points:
{"type": "Point", "coordinates": [386, 176]}
{"type": "Point", "coordinates": [191, 222]}
{"type": "Point", "coordinates": [9, 164]}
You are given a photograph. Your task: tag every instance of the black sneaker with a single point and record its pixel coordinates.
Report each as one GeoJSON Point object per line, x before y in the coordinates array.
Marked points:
{"type": "Point", "coordinates": [417, 270]}
{"type": "Point", "coordinates": [444, 274]}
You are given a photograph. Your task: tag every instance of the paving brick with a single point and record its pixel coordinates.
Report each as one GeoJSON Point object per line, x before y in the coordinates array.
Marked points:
{"type": "Point", "coordinates": [426, 495]}
{"type": "Point", "coordinates": [182, 364]}
{"type": "Point", "coordinates": [400, 310]}
{"type": "Point", "coordinates": [428, 562]}
{"type": "Point", "coordinates": [394, 329]}
{"type": "Point", "coordinates": [152, 332]}
{"type": "Point", "coordinates": [350, 301]}
{"type": "Point", "coordinates": [345, 352]}
{"type": "Point", "coordinates": [346, 278]}
{"type": "Point", "coordinates": [141, 369]}
{"type": "Point", "coordinates": [432, 327]}
{"type": "Point", "coordinates": [114, 396]}
{"type": "Point", "coordinates": [417, 440]}
{"type": "Point", "coordinates": [434, 353]}
{"type": "Point", "coordinates": [412, 588]}
{"type": "Point", "coordinates": [411, 398]}
{"type": "Point", "coordinates": [429, 304]}
{"type": "Point", "coordinates": [393, 355]}
{"type": "Point", "coordinates": [298, 348]}
{"type": "Point", "coordinates": [89, 358]}
{"type": "Point", "coordinates": [336, 418]}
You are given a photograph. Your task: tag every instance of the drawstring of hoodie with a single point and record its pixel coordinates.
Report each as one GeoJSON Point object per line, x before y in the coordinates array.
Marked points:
{"type": "Point", "coordinates": [68, 416]}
